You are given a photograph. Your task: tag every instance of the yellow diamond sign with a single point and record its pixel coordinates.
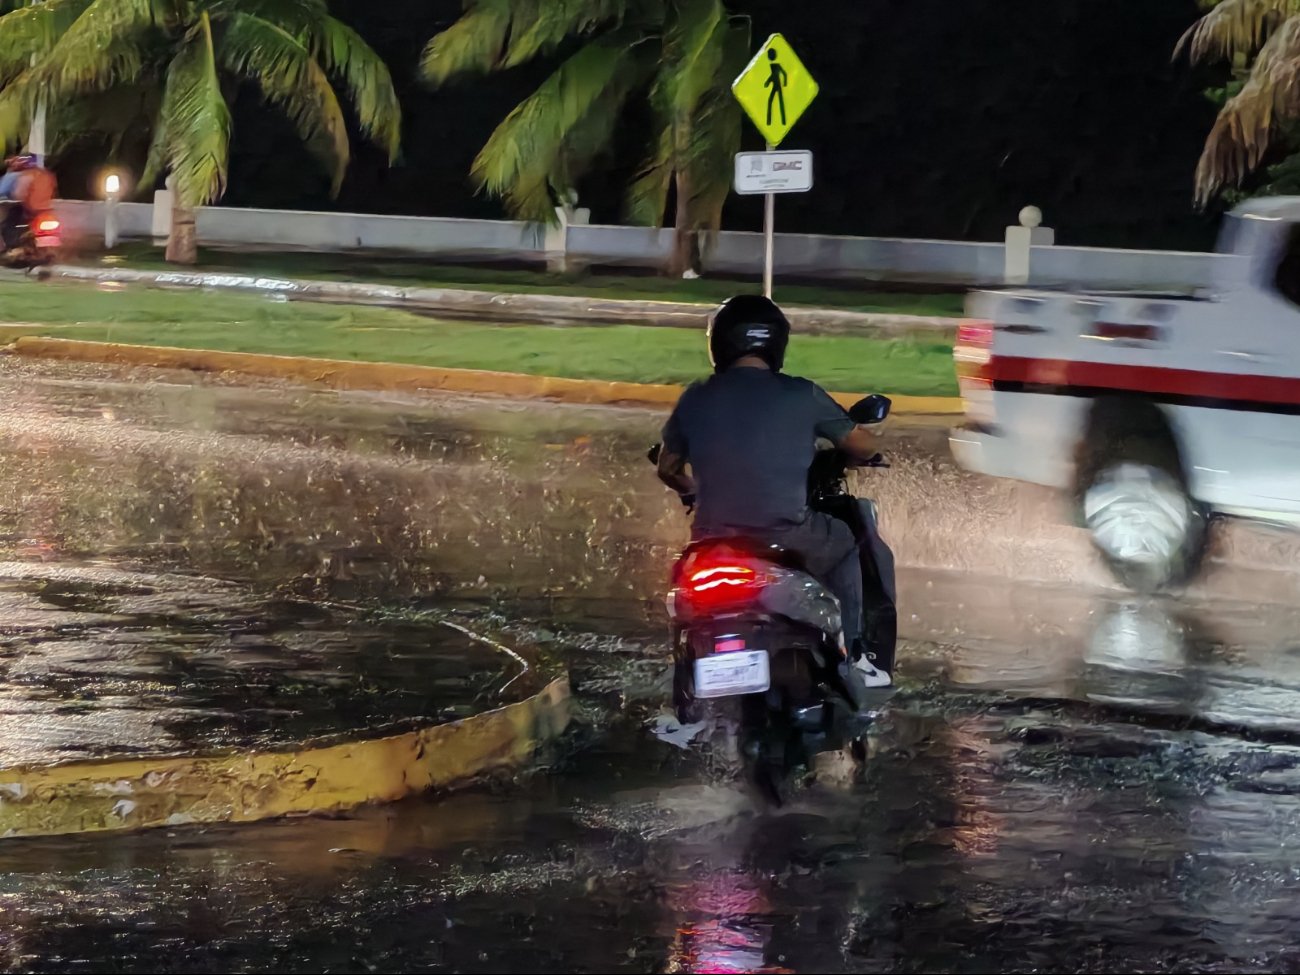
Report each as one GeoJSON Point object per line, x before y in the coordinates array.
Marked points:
{"type": "Point", "coordinates": [775, 89]}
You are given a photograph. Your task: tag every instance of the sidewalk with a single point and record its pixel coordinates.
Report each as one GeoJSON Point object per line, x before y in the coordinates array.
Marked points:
{"type": "Point", "coordinates": [525, 296]}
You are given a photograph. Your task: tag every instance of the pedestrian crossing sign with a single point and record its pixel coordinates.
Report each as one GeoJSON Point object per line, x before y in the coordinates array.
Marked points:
{"type": "Point", "coordinates": [775, 89]}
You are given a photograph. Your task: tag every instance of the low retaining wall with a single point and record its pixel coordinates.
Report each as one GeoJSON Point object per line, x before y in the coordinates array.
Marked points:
{"type": "Point", "coordinates": [978, 263]}
{"type": "Point", "coordinates": [139, 793]}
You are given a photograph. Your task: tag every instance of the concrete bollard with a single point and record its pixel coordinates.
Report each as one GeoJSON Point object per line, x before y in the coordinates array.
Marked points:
{"type": "Point", "coordinates": [557, 236]}
{"type": "Point", "coordinates": [1020, 242]}
{"type": "Point", "coordinates": [161, 227]}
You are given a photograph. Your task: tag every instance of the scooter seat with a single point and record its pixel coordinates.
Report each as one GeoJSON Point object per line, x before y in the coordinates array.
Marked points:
{"type": "Point", "coordinates": [752, 547]}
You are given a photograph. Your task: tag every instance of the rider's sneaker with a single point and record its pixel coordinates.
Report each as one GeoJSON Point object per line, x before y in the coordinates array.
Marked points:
{"type": "Point", "coordinates": [872, 676]}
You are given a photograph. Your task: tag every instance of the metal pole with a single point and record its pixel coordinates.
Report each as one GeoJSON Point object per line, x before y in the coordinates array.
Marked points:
{"type": "Point", "coordinates": [36, 134]}
{"type": "Point", "coordinates": [110, 223]}
{"type": "Point", "coordinates": [36, 137]}
{"type": "Point", "coordinates": [769, 238]}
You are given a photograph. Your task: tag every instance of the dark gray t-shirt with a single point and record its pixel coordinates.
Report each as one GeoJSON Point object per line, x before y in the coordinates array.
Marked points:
{"type": "Point", "coordinates": [749, 436]}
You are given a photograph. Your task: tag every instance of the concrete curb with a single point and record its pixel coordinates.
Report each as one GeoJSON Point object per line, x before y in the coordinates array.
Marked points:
{"type": "Point", "coordinates": [397, 377]}
{"type": "Point", "coordinates": [553, 309]}
{"type": "Point", "coordinates": [141, 793]}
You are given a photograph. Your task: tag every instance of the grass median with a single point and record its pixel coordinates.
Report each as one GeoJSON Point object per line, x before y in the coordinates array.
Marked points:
{"type": "Point", "coordinates": [246, 323]}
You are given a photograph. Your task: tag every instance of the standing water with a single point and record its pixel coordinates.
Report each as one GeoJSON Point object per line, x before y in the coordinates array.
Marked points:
{"type": "Point", "coordinates": [1068, 780]}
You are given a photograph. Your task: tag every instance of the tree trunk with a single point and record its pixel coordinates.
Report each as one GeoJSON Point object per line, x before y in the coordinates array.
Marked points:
{"type": "Point", "coordinates": [683, 253]}
{"type": "Point", "coordinates": [183, 240]}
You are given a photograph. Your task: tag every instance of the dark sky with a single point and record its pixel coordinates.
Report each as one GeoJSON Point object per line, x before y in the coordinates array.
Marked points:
{"type": "Point", "coordinates": [936, 118]}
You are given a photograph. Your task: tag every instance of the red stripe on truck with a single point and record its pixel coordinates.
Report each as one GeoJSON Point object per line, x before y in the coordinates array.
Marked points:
{"type": "Point", "coordinates": [1073, 376]}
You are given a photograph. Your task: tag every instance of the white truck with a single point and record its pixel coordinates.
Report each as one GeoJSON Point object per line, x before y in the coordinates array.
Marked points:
{"type": "Point", "coordinates": [1156, 412]}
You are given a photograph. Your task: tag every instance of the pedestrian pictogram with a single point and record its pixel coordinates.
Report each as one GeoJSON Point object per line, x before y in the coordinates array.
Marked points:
{"type": "Point", "coordinates": [775, 89]}
{"type": "Point", "coordinates": [777, 83]}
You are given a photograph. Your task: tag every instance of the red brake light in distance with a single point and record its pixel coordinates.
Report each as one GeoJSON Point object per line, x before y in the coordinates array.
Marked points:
{"type": "Point", "coordinates": [47, 226]}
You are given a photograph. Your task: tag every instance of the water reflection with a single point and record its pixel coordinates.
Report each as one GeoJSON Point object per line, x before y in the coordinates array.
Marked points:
{"type": "Point", "coordinates": [1140, 636]}
{"type": "Point", "coordinates": [724, 925]}
{"type": "Point", "coordinates": [97, 660]}
{"type": "Point", "coordinates": [1224, 665]}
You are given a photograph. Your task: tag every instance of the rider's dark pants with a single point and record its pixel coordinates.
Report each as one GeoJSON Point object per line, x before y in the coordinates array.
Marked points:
{"type": "Point", "coordinates": [11, 226]}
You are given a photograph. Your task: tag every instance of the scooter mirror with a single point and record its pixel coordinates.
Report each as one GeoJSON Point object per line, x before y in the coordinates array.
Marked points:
{"type": "Point", "coordinates": [872, 409]}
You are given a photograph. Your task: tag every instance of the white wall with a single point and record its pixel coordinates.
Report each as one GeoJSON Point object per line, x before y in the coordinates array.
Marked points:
{"type": "Point", "coordinates": [940, 261]}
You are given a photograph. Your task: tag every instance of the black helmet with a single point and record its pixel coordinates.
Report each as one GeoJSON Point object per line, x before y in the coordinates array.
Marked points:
{"type": "Point", "coordinates": [748, 325]}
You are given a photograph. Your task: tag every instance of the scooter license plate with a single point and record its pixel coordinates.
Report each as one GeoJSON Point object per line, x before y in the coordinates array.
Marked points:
{"type": "Point", "coordinates": [730, 674]}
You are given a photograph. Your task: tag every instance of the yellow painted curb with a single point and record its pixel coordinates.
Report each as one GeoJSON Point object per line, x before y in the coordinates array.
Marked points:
{"type": "Point", "coordinates": [138, 793]}
{"type": "Point", "coordinates": [396, 376]}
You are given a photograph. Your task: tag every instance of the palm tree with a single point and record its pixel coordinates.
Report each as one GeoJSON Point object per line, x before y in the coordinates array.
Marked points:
{"type": "Point", "coordinates": [174, 65]}
{"type": "Point", "coordinates": [1261, 40]}
{"type": "Point", "coordinates": [680, 54]}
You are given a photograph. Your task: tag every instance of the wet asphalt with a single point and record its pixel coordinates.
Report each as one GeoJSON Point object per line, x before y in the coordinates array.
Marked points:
{"type": "Point", "coordinates": [1068, 779]}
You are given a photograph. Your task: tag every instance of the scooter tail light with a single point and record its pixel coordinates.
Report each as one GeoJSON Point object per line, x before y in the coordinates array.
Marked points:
{"type": "Point", "coordinates": [709, 585]}
{"type": "Point", "coordinates": [719, 576]}
{"type": "Point", "coordinates": [48, 225]}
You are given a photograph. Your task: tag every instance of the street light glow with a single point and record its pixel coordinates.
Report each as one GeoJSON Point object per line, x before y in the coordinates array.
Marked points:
{"type": "Point", "coordinates": [112, 184]}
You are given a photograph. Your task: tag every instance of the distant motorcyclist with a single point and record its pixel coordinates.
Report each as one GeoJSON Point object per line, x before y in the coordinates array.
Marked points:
{"type": "Point", "coordinates": [749, 434]}
{"type": "Point", "coordinates": [30, 189]}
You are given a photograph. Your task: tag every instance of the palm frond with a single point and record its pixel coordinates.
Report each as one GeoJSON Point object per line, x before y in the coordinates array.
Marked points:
{"type": "Point", "coordinates": [647, 195]}
{"type": "Point", "coordinates": [123, 112]}
{"type": "Point", "coordinates": [100, 48]}
{"type": "Point", "coordinates": [159, 157]}
{"type": "Point", "coordinates": [14, 114]}
{"type": "Point", "coordinates": [543, 25]}
{"type": "Point", "coordinates": [197, 120]}
{"type": "Point", "coordinates": [292, 15]}
{"type": "Point", "coordinates": [1234, 27]}
{"type": "Point", "coordinates": [526, 149]}
{"type": "Point", "coordinates": [687, 67]}
{"type": "Point", "coordinates": [699, 120]}
{"type": "Point", "coordinates": [1245, 126]}
{"type": "Point", "coordinates": [715, 140]}
{"type": "Point", "coordinates": [369, 84]}
{"type": "Point", "coordinates": [32, 31]}
{"type": "Point", "coordinates": [290, 78]}
{"type": "Point", "coordinates": [592, 134]}
{"type": "Point", "coordinates": [474, 44]}
{"type": "Point", "coordinates": [715, 134]}
{"type": "Point", "coordinates": [691, 54]}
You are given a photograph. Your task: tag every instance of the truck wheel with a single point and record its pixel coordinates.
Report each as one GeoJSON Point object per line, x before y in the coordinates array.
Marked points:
{"type": "Point", "coordinates": [1136, 507]}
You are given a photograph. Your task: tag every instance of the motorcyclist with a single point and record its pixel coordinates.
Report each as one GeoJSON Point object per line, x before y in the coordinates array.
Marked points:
{"type": "Point", "coordinates": [31, 188]}
{"type": "Point", "coordinates": [749, 434]}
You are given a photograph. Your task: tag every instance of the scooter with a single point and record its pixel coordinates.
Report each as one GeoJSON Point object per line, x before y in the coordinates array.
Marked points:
{"type": "Point", "coordinates": [760, 668]}
{"type": "Point", "coordinates": [29, 241]}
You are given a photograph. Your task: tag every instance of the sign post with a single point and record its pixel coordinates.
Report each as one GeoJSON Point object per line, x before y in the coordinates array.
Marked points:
{"type": "Point", "coordinates": [769, 237]}
{"type": "Point", "coordinates": [775, 89]}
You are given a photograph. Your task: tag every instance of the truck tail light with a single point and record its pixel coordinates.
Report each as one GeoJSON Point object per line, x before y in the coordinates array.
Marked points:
{"type": "Point", "coordinates": [973, 354]}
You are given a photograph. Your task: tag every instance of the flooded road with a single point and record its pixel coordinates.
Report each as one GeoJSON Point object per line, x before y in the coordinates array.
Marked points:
{"type": "Point", "coordinates": [1069, 779]}
{"type": "Point", "coordinates": [98, 662]}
